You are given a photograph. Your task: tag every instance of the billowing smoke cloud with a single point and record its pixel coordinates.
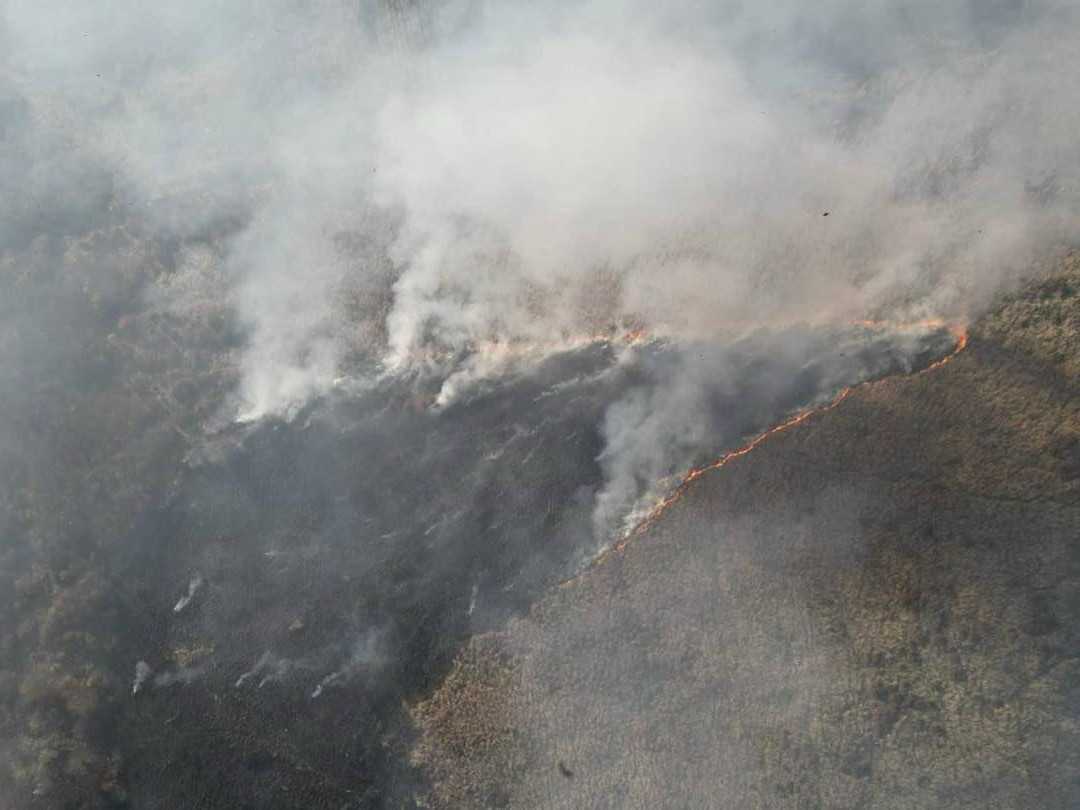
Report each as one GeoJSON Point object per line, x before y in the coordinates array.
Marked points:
{"type": "Point", "coordinates": [413, 201]}
{"type": "Point", "coordinates": [393, 185]}
{"type": "Point", "coordinates": [409, 176]}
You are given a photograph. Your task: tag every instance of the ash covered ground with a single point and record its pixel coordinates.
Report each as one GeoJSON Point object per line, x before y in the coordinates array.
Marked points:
{"type": "Point", "coordinates": [340, 342]}
{"type": "Point", "coordinates": [876, 609]}
{"type": "Point", "coordinates": [328, 568]}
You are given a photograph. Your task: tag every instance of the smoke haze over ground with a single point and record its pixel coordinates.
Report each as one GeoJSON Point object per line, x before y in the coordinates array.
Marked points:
{"type": "Point", "coordinates": [333, 332]}
{"type": "Point", "coordinates": [425, 185]}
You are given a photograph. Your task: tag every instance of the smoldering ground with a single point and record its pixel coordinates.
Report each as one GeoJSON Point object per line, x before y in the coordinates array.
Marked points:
{"type": "Point", "coordinates": [223, 211]}
{"type": "Point", "coordinates": [346, 554]}
{"type": "Point", "coordinates": [391, 184]}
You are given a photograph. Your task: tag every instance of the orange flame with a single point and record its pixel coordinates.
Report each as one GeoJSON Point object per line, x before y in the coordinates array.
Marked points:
{"type": "Point", "coordinates": [698, 472]}
{"type": "Point", "coordinates": [959, 333]}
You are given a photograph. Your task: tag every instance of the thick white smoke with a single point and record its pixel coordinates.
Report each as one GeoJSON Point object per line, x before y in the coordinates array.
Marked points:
{"type": "Point", "coordinates": [686, 153]}
{"type": "Point", "coordinates": [409, 181]}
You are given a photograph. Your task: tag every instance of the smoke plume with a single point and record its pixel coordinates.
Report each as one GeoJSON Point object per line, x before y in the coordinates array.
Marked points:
{"type": "Point", "coordinates": [400, 179]}
{"type": "Point", "coordinates": [385, 315]}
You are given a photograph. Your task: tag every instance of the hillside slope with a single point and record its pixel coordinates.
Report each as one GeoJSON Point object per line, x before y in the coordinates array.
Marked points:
{"type": "Point", "coordinates": [878, 609]}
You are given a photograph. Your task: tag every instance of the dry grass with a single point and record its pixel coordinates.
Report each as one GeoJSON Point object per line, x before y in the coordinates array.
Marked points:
{"type": "Point", "coordinates": [876, 610]}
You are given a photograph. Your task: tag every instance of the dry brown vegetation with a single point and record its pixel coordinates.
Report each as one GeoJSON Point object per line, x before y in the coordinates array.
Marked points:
{"type": "Point", "coordinates": [105, 394]}
{"type": "Point", "coordinates": [875, 610]}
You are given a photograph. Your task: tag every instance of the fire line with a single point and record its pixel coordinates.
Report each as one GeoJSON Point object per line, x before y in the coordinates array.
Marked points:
{"type": "Point", "coordinates": [654, 515]}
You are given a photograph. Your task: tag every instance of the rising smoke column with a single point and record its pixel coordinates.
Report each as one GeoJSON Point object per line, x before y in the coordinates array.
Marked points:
{"type": "Point", "coordinates": [426, 187]}
{"type": "Point", "coordinates": [501, 156]}
{"type": "Point", "coordinates": [408, 192]}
